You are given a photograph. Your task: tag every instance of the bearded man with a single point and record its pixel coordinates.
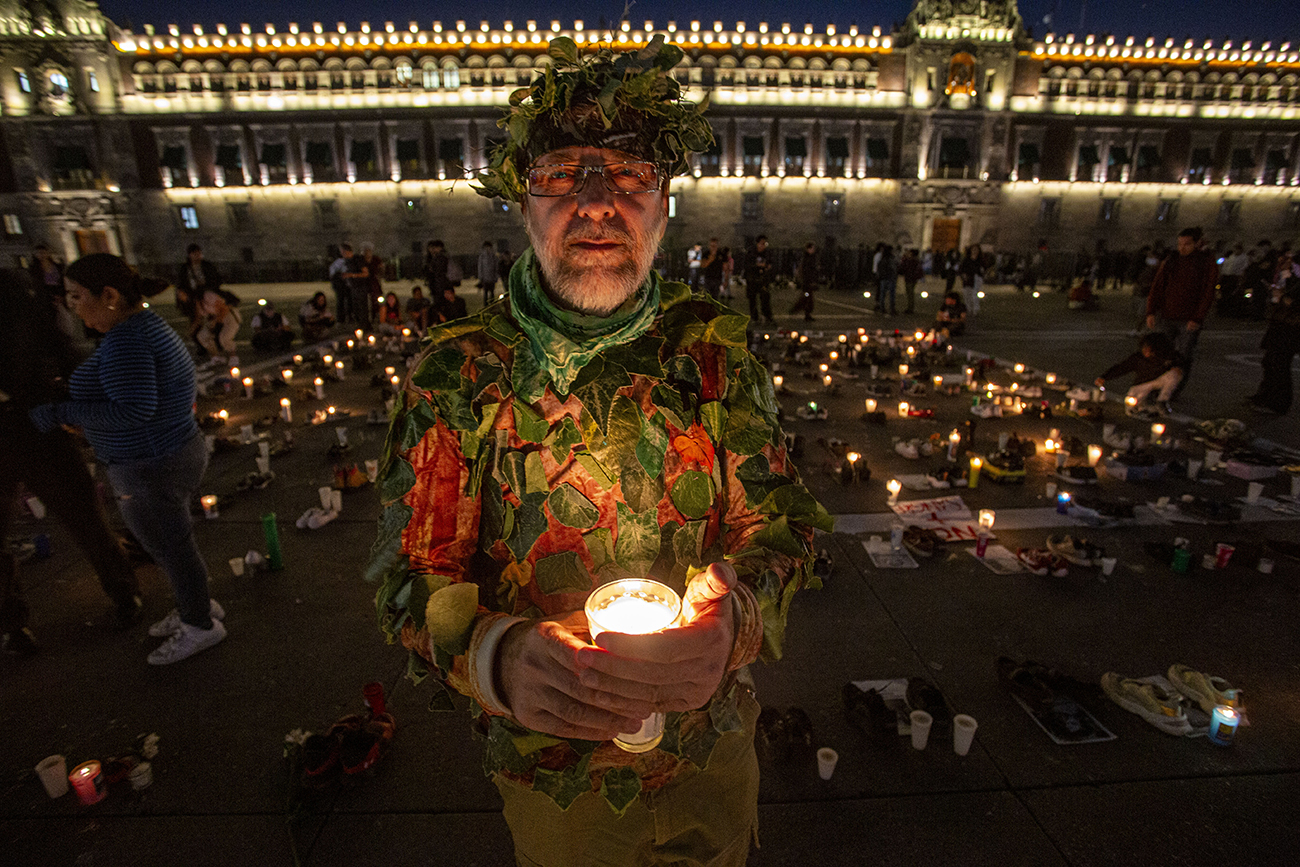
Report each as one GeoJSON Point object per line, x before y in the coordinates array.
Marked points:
{"type": "Point", "coordinates": [597, 424]}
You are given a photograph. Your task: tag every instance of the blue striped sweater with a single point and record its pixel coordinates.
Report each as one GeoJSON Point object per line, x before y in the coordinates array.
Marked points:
{"type": "Point", "coordinates": [134, 397]}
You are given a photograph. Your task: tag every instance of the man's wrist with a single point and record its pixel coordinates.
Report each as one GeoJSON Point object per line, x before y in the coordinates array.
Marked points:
{"type": "Point", "coordinates": [484, 656]}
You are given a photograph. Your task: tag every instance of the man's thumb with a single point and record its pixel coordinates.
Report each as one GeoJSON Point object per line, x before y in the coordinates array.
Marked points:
{"type": "Point", "coordinates": [708, 588]}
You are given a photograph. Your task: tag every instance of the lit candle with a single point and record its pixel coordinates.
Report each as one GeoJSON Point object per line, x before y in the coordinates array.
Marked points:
{"type": "Point", "coordinates": [862, 338]}
{"type": "Point", "coordinates": [986, 519]}
{"type": "Point", "coordinates": [406, 334]}
{"type": "Point", "coordinates": [297, 359]}
{"type": "Point", "coordinates": [953, 439]}
{"type": "Point", "coordinates": [634, 607]}
{"type": "Point", "coordinates": [1019, 368]}
{"type": "Point", "coordinates": [844, 338]}
{"type": "Point", "coordinates": [1063, 502]}
{"type": "Point", "coordinates": [938, 382]}
{"type": "Point", "coordinates": [397, 383]}
{"type": "Point", "coordinates": [223, 414]}
{"type": "Point", "coordinates": [835, 356]}
{"type": "Point", "coordinates": [1055, 434]}
{"type": "Point", "coordinates": [803, 338]}
{"type": "Point", "coordinates": [234, 373]}
{"type": "Point", "coordinates": [87, 779]}
{"type": "Point", "coordinates": [286, 410]}
{"type": "Point", "coordinates": [902, 409]}
{"type": "Point", "coordinates": [370, 339]}
{"type": "Point", "coordinates": [320, 388]}
{"type": "Point", "coordinates": [330, 410]}
{"type": "Point", "coordinates": [286, 375]}
{"type": "Point", "coordinates": [359, 333]}
{"type": "Point", "coordinates": [1130, 401]}
{"type": "Point", "coordinates": [902, 370]}
{"type": "Point", "coordinates": [248, 387]}
{"type": "Point", "coordinates": [351, 343]}
{"type": "Point", "coordinates": [970, 374]}
{"type": "Point", "coordinates": [389, 371]}
{"type": "Point", "coordinates": [1223, 725]}
{"type": "Point", "coordinates": [826, 380]}
{"type": "Point", "coordinates": [862, 332]}
{"type": "Point", "coordinates": [911, 351]}
{"type": "Point", "coordinates": [778, 381]}
{"type": "Point", "coordinates": [338, 370]}
{"type": "Point", "coordinates": [209, 502]}
{"type": "Point", "coordinates": [1157, 431]}
{"type": "Point", "coordinates": [1049, 445]}
{"type": "Point", "coordinates": [920, 335]}
{"type": "Point", "coordinates": [893, 486]}
{"type": "Point", "coordinates": [975, 464]}
{"type": "Point", "coordinates": [823, 367]}
{"type": "Point", "coordinates": [1050, 379]}
{"type": "Point", "coordinates": [871, 404]}
{"type": "Point", "coordinates": [1094, 455]}
{"type": "Point", "coordinates": [328, 359]}
{"type": "Point", "coordinates": [849, 472]}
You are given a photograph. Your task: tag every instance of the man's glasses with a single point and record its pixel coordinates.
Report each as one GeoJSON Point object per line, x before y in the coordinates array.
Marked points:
{"type": "Point", "coordinates": [569, 180]}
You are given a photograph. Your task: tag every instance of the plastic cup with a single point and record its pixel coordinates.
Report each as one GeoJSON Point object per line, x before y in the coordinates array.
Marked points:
{"type": "Point", "coordinates": [1049, 490]}
{"type": "Point", "coordinates": [342, 434]}
{"type": "Point", "coordinates": [372, 469]}
{"type": "Point", "coordinates": [1193, 468]}
{"type": "Point", "coordinates": [237, 566]}
{"type": "Point", "coordinates": [246, 433]}
{"type": "Point", "coordinates": [1222, 554]}
{"type": "Point", "coordinates": [921, 723]}
{"type": "Point", "coordinates": [263, 464]}
{"type": "Point", "coordinates": [53, 771]}
{"type": "Point", "coordinates": [264, 449]}
{"type": "Point", "coordinates": [1253, 490]}
{"type": "Point", "coordinates": [981, 544]}
{"type": "Point", "coordinates": [826, 759]}
{"type": "Point", "coordinates": [1108, 565]}
{"type": "Point", "coordinates": [963, 732]}
{"type": "Point", "coordinates": [326, 493]}
{"type": "Point", "coordinates": [141, 776]}
{"type": "Point", "coordinates": [1208, 562]}
{"type": "Point", "coordinates": [1265, 566]}
{"type": "Point", "coordinates": [336, 500]}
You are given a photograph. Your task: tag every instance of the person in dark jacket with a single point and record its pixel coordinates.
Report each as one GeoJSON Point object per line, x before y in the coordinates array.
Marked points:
{"type": "Point", "coordinates": [35, 359]}
{"type": "Point", "coordinates": [912, 272]}
{"type": "Point", "coordinates": [759, 274]}
{"type": "Point", "coordinates": [195, 277]}
{"type": "Point", "coordinates": [1181, 295]}
{"type": "Point", "coordinates": [1156, 367]}
{"type": "Point", "coordinates": [809, 275]}
{"type": "Point", "coordinates": [1281, 341]}
{"type": "Point", "coordinates": [887, 281]}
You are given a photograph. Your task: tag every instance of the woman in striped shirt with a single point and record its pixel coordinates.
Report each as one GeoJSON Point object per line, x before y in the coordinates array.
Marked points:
{"type": "Point", "coordinates": [134, 400]}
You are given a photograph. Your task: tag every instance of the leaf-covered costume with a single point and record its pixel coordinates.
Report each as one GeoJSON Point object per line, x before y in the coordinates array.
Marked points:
{"type": "Point", "coordinates": [531, 469]}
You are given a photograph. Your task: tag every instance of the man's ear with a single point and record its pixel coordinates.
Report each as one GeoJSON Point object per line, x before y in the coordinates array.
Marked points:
{"type": "Point", "coordinates": [111, 297]}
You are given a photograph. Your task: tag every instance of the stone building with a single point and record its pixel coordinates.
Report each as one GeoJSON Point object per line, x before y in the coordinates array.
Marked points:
{"type": "Point", "coordinates": [268, 144]}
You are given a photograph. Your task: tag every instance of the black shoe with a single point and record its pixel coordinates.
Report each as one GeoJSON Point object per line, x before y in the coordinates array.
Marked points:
{"type": "Point", "coordinates": [19, 642]}
{"type": "Point", "coordinates": [130, 613]}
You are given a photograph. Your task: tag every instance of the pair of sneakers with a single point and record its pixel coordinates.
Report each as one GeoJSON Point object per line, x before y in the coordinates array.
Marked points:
{"type": "Point", "coordinates": [1164, 708]}
{"type": "Point", "coordinates": [183, 640]}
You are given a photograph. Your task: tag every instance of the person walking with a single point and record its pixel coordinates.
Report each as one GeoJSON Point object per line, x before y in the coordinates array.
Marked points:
{"type": "Point", "coordinates": [809, 277]}
{"type": "Point", "coordinates": [713, 269]}
{"type": "Point", "coordinates": [36, 355]}
{"type": "Point", "coordinates": [488, 265]}
{"type": "Point", "coordinates": [887, 281]}
{"type": "Point", "coordinates": [971, 271]}
{"type": "Point", "coordinates": [1180, 298]}
{"type": "Point", "coordinates": [338, 276]}
{"type": "Point", "coordinates": [912, 272]}
{"type": "Point", "coordinates": [134, 400]}
{"type": "Point", "coordinates": [589, 329]}
{"type": "Point", "coordinates": [759, 274]}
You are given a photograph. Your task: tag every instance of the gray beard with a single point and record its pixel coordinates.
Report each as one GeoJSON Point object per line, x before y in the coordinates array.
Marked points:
{"type": "Point", "coordinates": [593, 289]}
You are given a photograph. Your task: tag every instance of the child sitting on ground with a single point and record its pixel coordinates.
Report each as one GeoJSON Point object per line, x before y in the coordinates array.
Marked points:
{"type": "Point", "coordinates": [1156, 367]}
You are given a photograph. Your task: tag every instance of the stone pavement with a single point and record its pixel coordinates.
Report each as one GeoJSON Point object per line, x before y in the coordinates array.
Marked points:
{"type": "Point", "coordinates": [303, 641]}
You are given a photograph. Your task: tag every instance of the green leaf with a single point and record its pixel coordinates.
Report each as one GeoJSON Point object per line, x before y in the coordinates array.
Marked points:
{"type": "Point", "coordinates": [746, 431]}
{"type": "Point", "coordinates": [418, 600]}
{"type": "Point", "coordinates": [641, 491]}
{"type": "Point", "coordinates": [693, 493]}
{"type": "Point", "coordinates": [595, 469]}
{"type": "Point", "coordinates": [535, 474]}
{"type": "Point", "coordinates": [641, 356]}
{"type": "Point", "coordinates": [455, 410]}
{"type": "Point", "coordinates": [529, 425]}
{"type": "Point", "coordinates": [729, 330]}
{"type": "Point", "coordinates": [563, 50]}
{"type": "Point", "coordinates": [652, 445]}
{"type": "Point", "coordinates": [683, 369]}
{"type": "Point", "coordinates": [637, 544]}
{"type": "Point", "coordinates": [565, 786]}
{"type": "Point", "coordinates": [688, 543]}
{"type": "Point", "coordinates": [571, 508]}
{"type": "Point", "coordinates": [417, 668]}
{"type": "Point", "coordinates": [794, 502]}
{"type": "Point", "coordinates": [440, 370]}
{"type": "Point", "coordinates": [397, 482]}
{"type": "Point", "coordinates": [492, 513]}
{"type": "Point", "coordinates": [414, 423]}
{"type": "Point", "coordinates": [386, 552]}
{"type": "Point", "coordinates": [777, 536]}
{"type": "Point", "coordinates": [598, 388]}
{"type": "Point", "coordinates": [500, 328]}
{"type": "Point", "coordinates": [624, 431]}
{"type": "Point", "coordinates": [713, 415]}
{"type": "Point", "coordinates": [600, 544]}
{"type": "Point", "coordinates": [669, 402]}
{"type": "Point", "coordinates": [620, 788]}
{"type": "Point", "coordinates": [441, 700]}
{"type": "Point", "coordinates": [561, 573]}
{"type": "Point", "coordinates": [529, 525]}
{"type": "Point", "coordinates": [562, 439]}
{"type": "Point", "coordinates": [512, 467]}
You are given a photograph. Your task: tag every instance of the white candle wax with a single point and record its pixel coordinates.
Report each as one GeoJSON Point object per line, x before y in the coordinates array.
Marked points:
{"type": "Point", "coordinates": [632, 615]}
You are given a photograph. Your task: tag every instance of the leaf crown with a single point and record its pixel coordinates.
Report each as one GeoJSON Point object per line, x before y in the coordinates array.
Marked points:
{"type": "Point", "coordinates": [625, 100]}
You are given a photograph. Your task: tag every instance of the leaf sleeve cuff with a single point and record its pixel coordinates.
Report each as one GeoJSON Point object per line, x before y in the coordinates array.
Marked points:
{"type": "Point", "coordinates": [480, 659]}
{"type": "Point", "coordinates": [747, 623]}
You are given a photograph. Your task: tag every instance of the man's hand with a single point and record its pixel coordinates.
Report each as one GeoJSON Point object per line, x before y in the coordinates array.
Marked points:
{"type": "Point", "coordinates": [676, 669]}
{"type": "Point", "coordinates": [1151, 320]}
{"type": "Point", "coordinates": [539, 679]}
{"type": "Point", "coordinates": [1193, 326]}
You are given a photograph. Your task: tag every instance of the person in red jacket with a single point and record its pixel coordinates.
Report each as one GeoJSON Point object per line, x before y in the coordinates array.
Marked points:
{"type": "Point", "coordinates": [1181, 295]}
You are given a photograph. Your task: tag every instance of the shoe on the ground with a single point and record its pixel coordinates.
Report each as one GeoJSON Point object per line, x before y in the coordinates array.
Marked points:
{"type": "Point", "coordinates": [187, 641]}
{"type": "Point", "coordinates": [359, 750]}
{"type": "Point", "coordinates": [866, 711]}
{"type": "Point", "coordinates": [1158, 706]}
{"type": "Point", "coordinates": [922, 542]}
{"type": "Point", "coordinates": [172, 622]}
{"type": "Point", "coordinates": [19, 642]}
{"type": "Point", "coordinates": [1080, 552]}
{"type": "Point", "coordinates": [1206, 690]}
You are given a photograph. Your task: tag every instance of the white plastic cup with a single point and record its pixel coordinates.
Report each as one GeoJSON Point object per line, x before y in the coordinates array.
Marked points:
{"type": "Point", "coordinates": [826, 759]}
{"type": "Point", "coordinates": [963, 732]}
{"type": "Point", "coordinates": [1108, 565]}
{"type": "Point", "coordinates": [1253, 490]}
{"type": "Point", "coordinates": [36, 507]}
{"type": "Point", "coordinates": [264, 449]}
{"type": "Point", "coordinates": [246, 433]}
{"type": "Point", "coordinates": [342, 434]}
{"type": "Point", "coordinates": [237, 566]}
{"type": "Point", "coordinates": [1049, 490]}
{"type": "Point", "coordinates": [326, 493]}
{"type": "Point", "coordinates": [336, 500]}
{"type": "Point", "coordinates": [263, 464]}
{"type": "Point", "coordinates": [1194, 468]}
{"type": "Point", "coordinates": [921, 723]}
{"type": "Point", "coordinates": [141, 776]}
{"type": "Point", "coordinates": [372, 469]}
{"type": "Point", "coordinates": [53, 771]}
{"type": "Point", "coordinates": [1265, 566]}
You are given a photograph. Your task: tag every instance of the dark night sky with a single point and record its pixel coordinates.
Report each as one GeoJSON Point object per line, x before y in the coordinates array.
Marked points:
{"type": "Point", "coordinates": [1259, 20]}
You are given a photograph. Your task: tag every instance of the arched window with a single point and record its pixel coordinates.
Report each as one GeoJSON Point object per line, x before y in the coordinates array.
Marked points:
{"type": "Point", "coordinates": [961, 74]}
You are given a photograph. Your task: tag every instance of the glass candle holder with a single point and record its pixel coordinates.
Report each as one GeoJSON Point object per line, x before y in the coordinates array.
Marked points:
{"type": "Point", "coordinates": [1223, 725]}
{"type": "Point", "coordinates": [634, 606]}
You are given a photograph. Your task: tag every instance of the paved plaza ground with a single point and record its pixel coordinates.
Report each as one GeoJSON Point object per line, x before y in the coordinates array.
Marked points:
{"type": "Point", "coordinates": [303, 641]}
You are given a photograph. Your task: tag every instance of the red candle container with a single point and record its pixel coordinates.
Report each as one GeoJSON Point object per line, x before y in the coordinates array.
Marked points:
{"type": "Point", "coordinates": [88, 781]}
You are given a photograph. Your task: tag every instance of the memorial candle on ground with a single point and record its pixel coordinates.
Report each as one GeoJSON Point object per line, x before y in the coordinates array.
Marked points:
{"type": "Point", "coordinates": [88, 781]}
{"type": "Point", "coordinates": [894, 486]}
{"type": "Point", "coordinates": [1094, 455]}
{"type": "Point", "coordinates": [286, 410]}
{"type": "Point", "coordinates": [320, 388]}
{"type": "Point", "coordinates": [286, 375]}
{"type": "Point", "coordinates": [248, 387]}
{"type": "Point", "coordinates": [976, 464]}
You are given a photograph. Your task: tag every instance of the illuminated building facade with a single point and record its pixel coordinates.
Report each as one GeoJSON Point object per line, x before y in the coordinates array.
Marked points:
{"type": "Point", "coordinates": [265, 145]}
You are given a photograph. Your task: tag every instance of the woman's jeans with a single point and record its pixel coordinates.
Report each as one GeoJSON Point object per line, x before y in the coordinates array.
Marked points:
{"type": "Point", "coordinates": [154, 496]}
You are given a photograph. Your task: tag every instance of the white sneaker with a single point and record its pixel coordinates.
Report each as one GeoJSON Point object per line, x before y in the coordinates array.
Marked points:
{"type": "Point", "coordinates": [187, 641]}
{"type": "Point", "coordinates": [172, 622]}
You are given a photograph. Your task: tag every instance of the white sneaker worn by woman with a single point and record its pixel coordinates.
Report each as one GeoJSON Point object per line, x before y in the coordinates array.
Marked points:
{"type": "Point", "coordinates": [187, 641]}
{"type": "Point", "coordinates": [172, 622]}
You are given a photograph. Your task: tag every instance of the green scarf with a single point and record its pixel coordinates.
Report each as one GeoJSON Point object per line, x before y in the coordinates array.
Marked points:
{"type": "Point", "coordinates": [562, 341]}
